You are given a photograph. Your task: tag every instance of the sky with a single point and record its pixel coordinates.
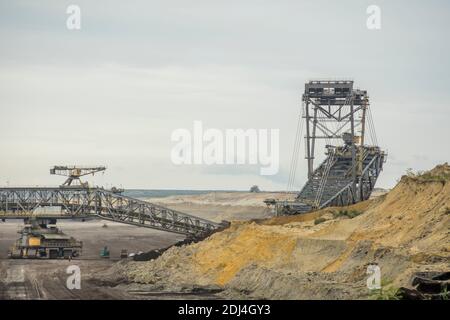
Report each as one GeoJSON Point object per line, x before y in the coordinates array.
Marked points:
{"type": "Point", "coordinates": [113, 92]}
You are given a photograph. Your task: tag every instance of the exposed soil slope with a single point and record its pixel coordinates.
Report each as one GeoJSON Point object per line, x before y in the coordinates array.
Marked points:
{"type": "Point", "coordinates": [301, 257]}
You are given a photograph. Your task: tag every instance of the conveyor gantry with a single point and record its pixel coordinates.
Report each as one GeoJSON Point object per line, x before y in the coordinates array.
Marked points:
{"type": "Point", "coordinates": [82, 202]}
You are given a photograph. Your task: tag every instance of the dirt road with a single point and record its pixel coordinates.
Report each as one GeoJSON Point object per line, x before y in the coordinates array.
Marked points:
{"type": "Point", "coordinates": [46, 279]}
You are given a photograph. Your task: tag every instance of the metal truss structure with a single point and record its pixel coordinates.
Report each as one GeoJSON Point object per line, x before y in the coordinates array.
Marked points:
{"type": "Point", "coordinates": [80, 202]}
{"type": "Point", "coordinates": [338, 114]}
{"type": "Point", "coordinates": [74, 173]}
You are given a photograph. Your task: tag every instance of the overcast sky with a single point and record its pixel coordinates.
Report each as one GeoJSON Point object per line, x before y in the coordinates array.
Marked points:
{"type": "Point", "coordinates": [113, 92]}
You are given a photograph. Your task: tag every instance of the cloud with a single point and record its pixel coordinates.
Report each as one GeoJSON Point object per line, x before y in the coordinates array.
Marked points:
{"type": "Point", "coordinates": [113, 92]}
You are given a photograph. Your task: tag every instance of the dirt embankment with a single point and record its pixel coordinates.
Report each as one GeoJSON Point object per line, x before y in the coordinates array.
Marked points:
{"type": "Point", "coordinates": [323, 254]}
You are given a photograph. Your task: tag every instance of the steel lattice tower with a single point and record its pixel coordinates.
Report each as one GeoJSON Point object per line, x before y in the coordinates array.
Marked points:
{"type": "Point", "coordinates": [338, 114]}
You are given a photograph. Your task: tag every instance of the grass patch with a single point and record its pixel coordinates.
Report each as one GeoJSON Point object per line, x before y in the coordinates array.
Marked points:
{"type": "Point", "coordinates": [319, 220]}
{"type": "Point", "coordinates": [346, 213]}
{"type": "Point", "coordinates": [387, 292]}
{"type": "Point", "coordinates": [429, 176]}
{"type": "Point", "coordinates": [444, 294]}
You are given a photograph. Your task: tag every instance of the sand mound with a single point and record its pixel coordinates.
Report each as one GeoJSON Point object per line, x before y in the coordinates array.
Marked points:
{"type": "Point", "coordinates": [402, 231]}
{"type": "Point", "coordinates": [218, 206]}
{"type": "Point", "coordinates": [255, 199]}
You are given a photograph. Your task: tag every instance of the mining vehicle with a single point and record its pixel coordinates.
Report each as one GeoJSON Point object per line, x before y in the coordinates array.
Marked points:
{"type": "Point", "coordinates": [41, 239]}
{"type": "Point", "coordinates": [124, 254]}
{"type": "Point", "coordinates": [104, 253]}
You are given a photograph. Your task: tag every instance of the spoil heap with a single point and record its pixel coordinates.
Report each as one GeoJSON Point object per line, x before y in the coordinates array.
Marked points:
{"type": "Point", "coordinates": [323, 254]}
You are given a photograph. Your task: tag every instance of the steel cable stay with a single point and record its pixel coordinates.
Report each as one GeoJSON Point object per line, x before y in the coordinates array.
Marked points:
{"type": "Point", "coordinates": [296, 151]}
{"type": "Point", "coordinates": [373, 127]}
{"type": "Point", "coordinates": [294, 155]}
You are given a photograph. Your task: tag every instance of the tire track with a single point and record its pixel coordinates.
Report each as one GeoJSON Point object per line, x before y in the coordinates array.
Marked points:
{"type": "Point", "coordinates": [37, 289]}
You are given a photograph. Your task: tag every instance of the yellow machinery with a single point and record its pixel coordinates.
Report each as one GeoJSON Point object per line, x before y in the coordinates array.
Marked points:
{"type": "Point", "coordinates": [40, 239]}
{"type": "Point", "coordinates": [34, 241]}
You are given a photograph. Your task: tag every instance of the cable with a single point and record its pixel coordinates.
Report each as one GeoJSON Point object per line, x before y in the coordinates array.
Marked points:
{"type": "Point", "coordinates": [299, 139]}
{"type": "Point", "coordinates": [295, 152]}
{"type": "Point", "coordinates": [293, 156]}
{"type": "Point", "coordinates": [372, 127]}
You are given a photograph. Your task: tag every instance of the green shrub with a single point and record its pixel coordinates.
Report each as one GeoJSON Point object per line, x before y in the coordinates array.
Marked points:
{"type": "Point", "coordinates": [345, 213]}
{"type": "Point", "coordinates": [385, 294]}
{"type": "Point", "coordinates": [444, 294]}
{"type": "Point", "coordinates": [387, 291]}
{"type": "Point", "coordinates": [428, 176]}
{"type": "Point", "coordinates": [319, 220]}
